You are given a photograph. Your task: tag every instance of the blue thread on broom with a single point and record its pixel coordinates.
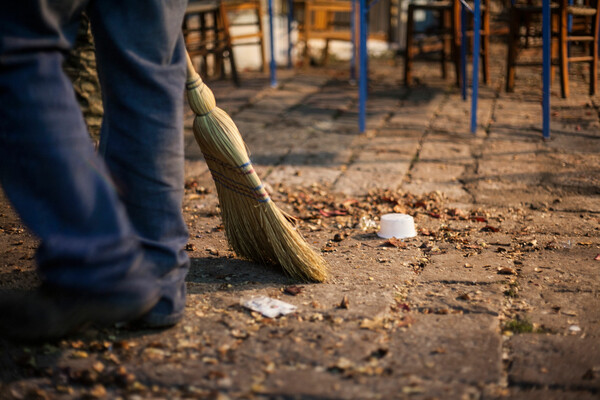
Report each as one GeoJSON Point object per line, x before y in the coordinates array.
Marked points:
{"type": "Point", "coordinates": [225, 164]}
{"type": "Point", "coordinates": [241, 189]}
{"type": "Point", "coordinates": [224, 185]}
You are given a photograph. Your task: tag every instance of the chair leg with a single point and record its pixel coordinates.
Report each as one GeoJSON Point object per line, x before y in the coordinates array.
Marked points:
{"type": "Point", "coordinates": [594, 77]}
{"type": "Point", "coordinates": [306, 53]}
{"type": "Point", "coordinates": [325, 55]}
{"type": "Point", "coordinates": [595, 53]}
{"type": "Point", "coordinates": [527, 24]}
{"type": "Point", "coordinates": [308, 24]}
{"type": "Point", "coordinates": [513, 42]}
{"type": "Point", "coordinates": [261, 40]}
{"type": "Point", "coordinates": [443, 25]}
{"type": "Point", "coordinates": [456, 61]}
{"type": "Point", "coordinates": [455, 26]}
{"type": "Point", "coordinates": [485, 44]}
{"type": "Point", "coordinates": [408, 53]}
{"type": "Point", "coordinates": [594, 68]}
{"type": "Point", "coordinates": [262, 56]}
{"type": "Point", "coordinates": [234, 74]}
{"type": "Point", "coordinates": [554, 45]}
{"type": "Point", "coordinates": [217, 21]}
{"type": "Point", "coordinates": [564, 56]}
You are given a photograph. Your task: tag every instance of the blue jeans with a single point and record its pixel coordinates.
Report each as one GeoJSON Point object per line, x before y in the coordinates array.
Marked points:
{"type": "Point", "coordinates": [102, 219]}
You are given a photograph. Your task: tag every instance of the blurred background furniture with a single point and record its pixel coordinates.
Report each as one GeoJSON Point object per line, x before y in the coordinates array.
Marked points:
{"type": "Point", "coordinates": [244, 20]}
{"type": "Point", "coordinates": [525, 25]}
{"type": "Point", "coordinates": [436, 38]}
{"type": "Point", "coordinates": [206, 34]}
{"type": "Point", "coordinates": [444, 37]}
{"type": "Point", "coordinates": [574, 31]}
{"type": "Point", "coordinates": [323, 19]}
{"type": "Point", "coordinates": [580, 42]}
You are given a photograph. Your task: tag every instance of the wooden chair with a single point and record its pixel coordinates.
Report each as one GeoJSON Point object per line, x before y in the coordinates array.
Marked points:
{"type": "Point", "coordinates": [206, 33]}
{"type": "Point", "coordinates": [437, 39]}
{"type": "Point", "coordinates": [584, 33]}
{"type": "Point", "coordinates": [445, 38]}
{"type": "Point", "coordinates": [579, 45]}
{"type": "Point", "coordinates": [254, 7]}
{"type": "Point", "coordinates": [323, 19]}
{"type": "Point", "coordinates": [521, 15]}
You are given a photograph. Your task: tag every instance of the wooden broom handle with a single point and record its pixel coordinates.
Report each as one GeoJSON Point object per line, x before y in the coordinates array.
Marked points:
{"type": "Point", "coordinates": [191, 71]}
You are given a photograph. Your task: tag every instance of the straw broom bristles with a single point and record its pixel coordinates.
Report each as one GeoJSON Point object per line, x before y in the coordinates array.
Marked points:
{"type": "Point", "coordinates": [255, 228]}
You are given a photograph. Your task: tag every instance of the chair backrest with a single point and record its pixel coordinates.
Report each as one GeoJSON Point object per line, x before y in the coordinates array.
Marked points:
{"type": "Point", "coordinates": [328, 19]}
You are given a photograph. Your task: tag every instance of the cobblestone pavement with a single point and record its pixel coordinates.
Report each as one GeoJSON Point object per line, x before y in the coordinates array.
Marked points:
{"type": "Point", "coordinates": [497, 296]}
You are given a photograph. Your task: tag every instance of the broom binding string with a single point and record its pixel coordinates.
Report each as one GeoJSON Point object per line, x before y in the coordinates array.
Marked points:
{"type": "Point", "coordinates": [258, 192]}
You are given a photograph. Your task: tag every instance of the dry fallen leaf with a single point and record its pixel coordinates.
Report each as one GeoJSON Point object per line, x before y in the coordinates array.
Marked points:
{"type": "Point", "coordinates": [372, 323]}
{"type": "Point", "coordinates": [489, 228]}
{"type": "Point", "coordinates": [97, 392]}
{"type": "Point", "coordinates": [426, 232]}
{"type": "Point", "coordinates": [506, 271]}
{"type": "Point", "coordinates": [464, 296]}
{"type": "Point", "coordinates": [343, 364]}
{"type": "Point", "coordinates": [212, 252]}
{"type": "Point", "coordinates": [345, 304]}
{"type": "Point", "coordinates": [293, 290]}
{"type": "Point", "coordinates": [79, 354]}
{"type": "Point", "coordinates": [190, 247]}
{"type": "Point", "coordinates": [393, 242]}
{"type": "Point", "coordinates": [239, 334]}
{"type": "Point", "coordinates": [98, 367]}
{"type": "Point", "coordinates": [338, 237]}
{"type": "Point", "coordinates": [333, 213]}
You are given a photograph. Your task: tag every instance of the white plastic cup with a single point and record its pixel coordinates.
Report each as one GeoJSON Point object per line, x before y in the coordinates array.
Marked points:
{"type": "Point", "coordinates": [400, 226]}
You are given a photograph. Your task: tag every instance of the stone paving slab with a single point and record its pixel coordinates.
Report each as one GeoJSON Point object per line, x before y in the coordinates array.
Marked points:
{"type": "Point", "coordinates": [546, 394]}
{"type": "Point", "coordinates": [539, 360]}
{"type": "Point", "coordinates": [453, 267]}
{"type": "Point", "coordinates": [429, 358]}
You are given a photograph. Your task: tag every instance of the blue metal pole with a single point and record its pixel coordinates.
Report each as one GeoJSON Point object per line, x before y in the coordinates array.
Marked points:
{"type": "Point", "coordinates": [570, 19]}
{"type": "Point", "coordinates": [362, 79]}
{"type": "Point", "coordinates": [289, 27]}
{"type": "Point", "coordinates": [546, 38]}
{"type": "Point", "coordinates": [476, 53]}
{"type": "Point", "coordinates": [272, 65]}
{"type": "Point", "coordinates": [463, 50]}
{"type": "Point", "coordinates": [353, 39]}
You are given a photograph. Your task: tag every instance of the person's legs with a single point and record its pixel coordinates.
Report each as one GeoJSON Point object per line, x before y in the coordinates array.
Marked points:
{"type": "Point", "coordinates": [50, 172]}
{"type": "Point", "coordinates": [141, 65]}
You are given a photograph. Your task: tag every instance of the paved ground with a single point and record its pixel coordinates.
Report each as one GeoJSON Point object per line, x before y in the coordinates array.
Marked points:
{"type": "Point", "coordinates": [497, 297]}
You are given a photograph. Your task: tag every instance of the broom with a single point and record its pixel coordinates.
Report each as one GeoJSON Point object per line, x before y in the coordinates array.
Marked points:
{"type": "Point", "coordinates": [255, 228]}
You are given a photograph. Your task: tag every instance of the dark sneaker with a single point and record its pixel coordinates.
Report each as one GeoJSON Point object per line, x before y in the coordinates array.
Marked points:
{"type": "Point", "coordinates": [167, 312]}
{"type": "Point", "coordinates": [51, 313]}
